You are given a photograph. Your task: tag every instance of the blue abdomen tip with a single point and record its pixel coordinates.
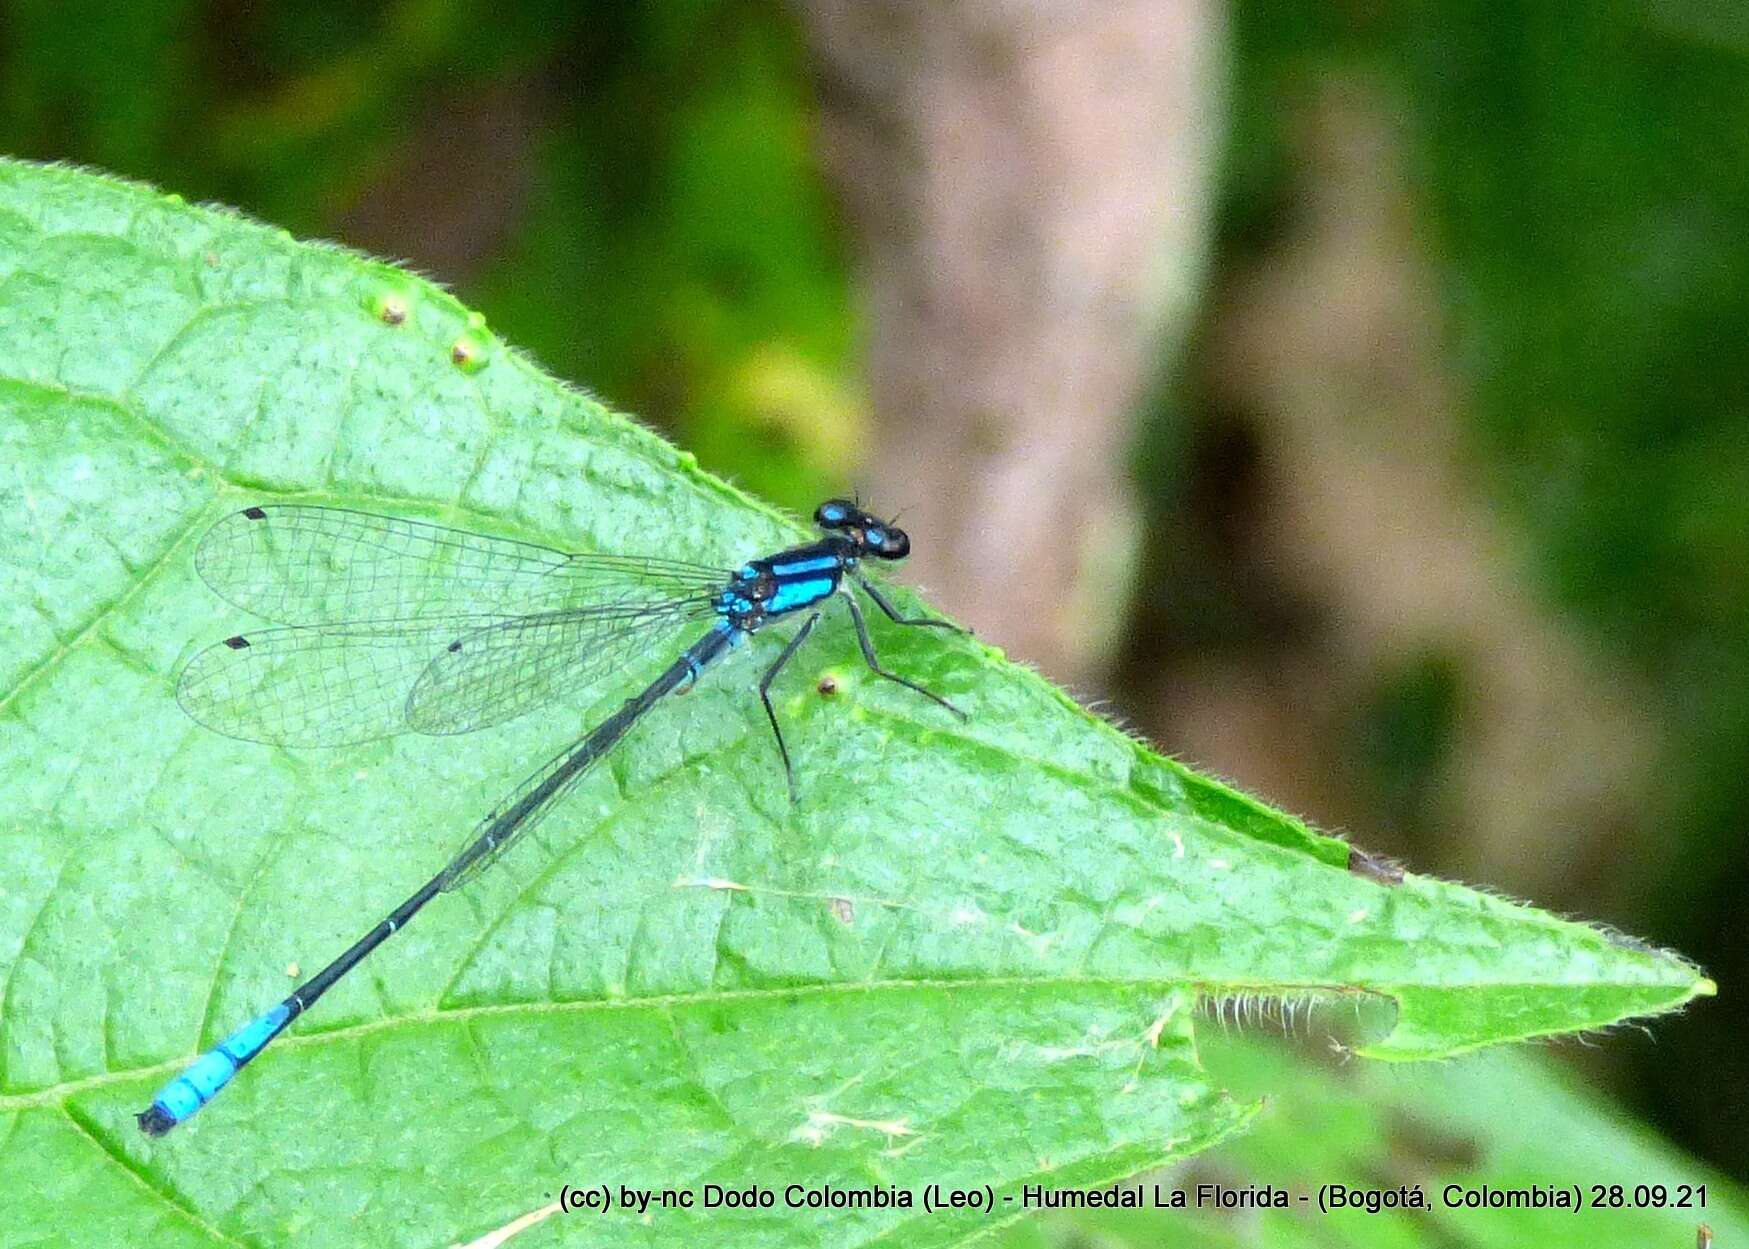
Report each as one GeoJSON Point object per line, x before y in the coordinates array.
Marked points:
{"type": "Point", "coordinates": [201, 1081]}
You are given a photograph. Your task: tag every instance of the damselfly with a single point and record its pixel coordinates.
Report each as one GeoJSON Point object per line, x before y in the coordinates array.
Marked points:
{"type": "Point", "coordinates": [395, 625]}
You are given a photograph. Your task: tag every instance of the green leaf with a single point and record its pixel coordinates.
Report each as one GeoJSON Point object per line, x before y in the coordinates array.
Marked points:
{"type": "Point", "coordinates": [968, 956]}
{"type": "Point", "coordinates": [1502, 1120]}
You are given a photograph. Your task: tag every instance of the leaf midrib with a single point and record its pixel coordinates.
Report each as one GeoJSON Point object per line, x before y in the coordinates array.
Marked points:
{"type": "Point", "coordinates": [50, 1095]}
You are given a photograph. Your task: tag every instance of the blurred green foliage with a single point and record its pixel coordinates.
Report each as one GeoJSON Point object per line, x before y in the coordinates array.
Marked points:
{"type": "Point", "coordinates": [681, 256]}
{"type": "Point", "coordinates": [1583, 175]}
{"type": "Point", "coordinates": [641, 207]}
{"type": "Point", "coordinates": [1405, 736]}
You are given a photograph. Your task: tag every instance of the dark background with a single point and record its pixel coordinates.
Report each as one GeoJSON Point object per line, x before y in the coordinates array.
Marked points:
{"type": "Point", "coordinates": [1350, 394]}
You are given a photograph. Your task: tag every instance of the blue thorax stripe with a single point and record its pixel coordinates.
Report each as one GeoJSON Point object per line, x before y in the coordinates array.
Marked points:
{"type": "Point", "coordinates": [820, 563]}
{"type": "Point", "coordinates": [793, 594]}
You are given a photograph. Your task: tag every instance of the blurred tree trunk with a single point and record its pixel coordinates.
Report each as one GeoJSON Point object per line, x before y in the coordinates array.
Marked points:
{"type": "Point", "coordinates": [1028, 185]}
{"type": "Point", "coordinates": [1333, 346]}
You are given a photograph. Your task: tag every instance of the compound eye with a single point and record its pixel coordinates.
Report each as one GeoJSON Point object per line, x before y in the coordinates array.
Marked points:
{"type": "Point", "coordinates": [894, 544]}
{"type": "Point", "coordinates": [832, 514]}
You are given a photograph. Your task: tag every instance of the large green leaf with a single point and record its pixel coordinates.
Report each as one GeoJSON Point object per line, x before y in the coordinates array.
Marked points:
{"type": "Point", "coordinates": [968, 956]}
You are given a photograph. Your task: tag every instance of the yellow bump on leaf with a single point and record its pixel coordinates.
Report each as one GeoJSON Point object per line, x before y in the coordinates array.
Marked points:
{"type": "Point", "coordinates": [468, 353]}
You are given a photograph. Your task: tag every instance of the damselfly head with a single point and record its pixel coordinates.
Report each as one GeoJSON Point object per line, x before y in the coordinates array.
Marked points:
{"type": "Point", "coordinates": [872, 535]}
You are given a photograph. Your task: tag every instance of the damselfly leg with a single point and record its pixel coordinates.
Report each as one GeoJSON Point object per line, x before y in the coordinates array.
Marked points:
{"type": "Point", "coordinates": [789, 772]}
{"type": "Point", "coordinates": [886, 605]}
{"type": "Point", "coordinates": [874, 663]}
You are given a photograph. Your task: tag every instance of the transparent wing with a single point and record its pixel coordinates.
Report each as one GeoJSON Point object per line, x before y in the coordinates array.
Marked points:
{"type": "Point", "coordinates": [479, 853]}
{"type": "Point", "coordinates": [314, 686]}
{"type": "Point", "coordinates": [334, 685]}
{"type": "Point", "coordinates": [303, 565]}
{"type": "Point", "coordinates": [498, 672]}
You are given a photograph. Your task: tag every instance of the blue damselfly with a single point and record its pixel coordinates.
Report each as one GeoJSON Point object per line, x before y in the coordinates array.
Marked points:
{"type": "Point", "coordinates": [391, 626]}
